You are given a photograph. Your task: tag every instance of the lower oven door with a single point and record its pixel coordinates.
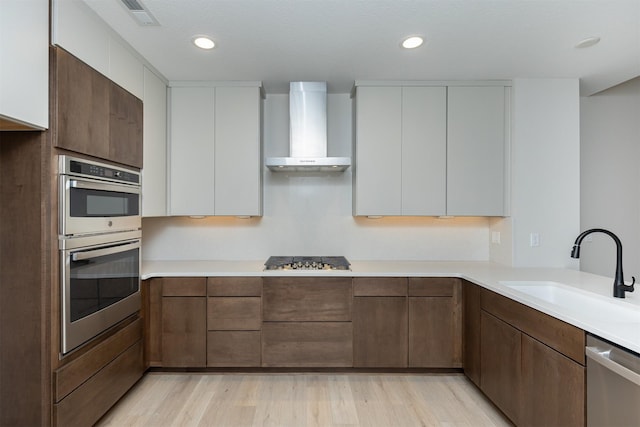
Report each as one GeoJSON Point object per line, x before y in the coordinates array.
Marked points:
{"type": "Point", "coordinates": [100, 287]}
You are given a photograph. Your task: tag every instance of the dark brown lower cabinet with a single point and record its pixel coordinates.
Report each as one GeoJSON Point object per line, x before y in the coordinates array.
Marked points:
{"type": "Point", "coordinates": [380, 332]}
{"type": "Point", "coordinates": [471, 331]}
{"type": "Point", "coordinates": [307, 344]}
{"type": "Point", "coordinates": [184, 322]}
{"type": "Point", "coordinates": [500, 354]}
{"type": "Point", "coordinates": [554, 387]}
{"type": "Point", "coordinates": [532, 365]}
{"type": "Point", "coordinates": [233, 348]}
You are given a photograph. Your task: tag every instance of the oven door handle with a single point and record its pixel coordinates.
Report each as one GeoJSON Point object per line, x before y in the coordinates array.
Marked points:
{"type": "Point", "coordinates": [93, 185]}
{"type": "Point", "coordinates": [79, 256]}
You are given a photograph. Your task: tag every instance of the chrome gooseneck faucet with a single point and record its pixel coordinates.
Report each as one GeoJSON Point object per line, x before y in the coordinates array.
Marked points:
{"type": "Point", "coordinates": [619, 288]}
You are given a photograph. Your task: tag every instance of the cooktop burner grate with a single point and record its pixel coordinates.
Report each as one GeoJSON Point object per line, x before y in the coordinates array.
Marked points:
{"type": "Point", "coordinates": [307, 263]}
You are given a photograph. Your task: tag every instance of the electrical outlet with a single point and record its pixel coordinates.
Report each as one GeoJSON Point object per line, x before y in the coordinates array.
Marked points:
{"type": "Point", "coordinates": [534, 240]}
{"type": "Point", "coordinates": [495, 237]}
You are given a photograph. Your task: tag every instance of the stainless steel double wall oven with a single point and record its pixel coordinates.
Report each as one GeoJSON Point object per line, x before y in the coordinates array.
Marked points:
{"type": "Point", "coordinates": [99, 240]}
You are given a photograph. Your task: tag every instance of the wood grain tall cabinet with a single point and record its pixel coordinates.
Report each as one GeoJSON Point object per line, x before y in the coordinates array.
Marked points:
{"type": "Point", "coordinates": [37, 385]}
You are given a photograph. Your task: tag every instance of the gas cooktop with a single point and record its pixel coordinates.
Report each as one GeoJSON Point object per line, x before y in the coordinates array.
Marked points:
{"type": "Point", "coordinates": [307, 263]}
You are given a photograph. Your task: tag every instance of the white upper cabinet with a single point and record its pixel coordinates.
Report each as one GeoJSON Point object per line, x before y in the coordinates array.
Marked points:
{"type": "Point", "coordinates": [378, 171]}
{"type": "Point", "coordinates": [215, 150]}
{"type": "Point", "coordinates": [154, 171]}
{"type": "Point", "coordinates": [476, 129]}
{"type": "Point", "coordinates": [400, 151]}
{"type": "Point", "coordinates": [430, 150]}
{"type": "Point", "coordinates": [24, 64]}
{"type": "Point", "coordinates": [238, 151]}
{"type": "Point", "coordinates": [424, 150]}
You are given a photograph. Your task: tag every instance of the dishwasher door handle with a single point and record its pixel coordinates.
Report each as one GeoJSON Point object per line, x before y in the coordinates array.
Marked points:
{"type": "Point", "coordinates": [602, 357]}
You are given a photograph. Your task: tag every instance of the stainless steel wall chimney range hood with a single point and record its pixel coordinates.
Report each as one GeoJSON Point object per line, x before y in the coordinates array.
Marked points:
{"type": "Point", "coordinates": [308, 133]}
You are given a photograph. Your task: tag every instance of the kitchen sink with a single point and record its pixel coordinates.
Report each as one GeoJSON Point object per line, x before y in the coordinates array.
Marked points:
{"type": "Point", "coordinates": [575, 300]}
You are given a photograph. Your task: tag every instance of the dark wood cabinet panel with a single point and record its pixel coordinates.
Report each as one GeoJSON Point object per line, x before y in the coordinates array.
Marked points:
{"type": "Point", "coordinates": [85, 405]}
{"type": "Point", "coordinates": [307, 299]}
{"type": "Point", "coordinates": [72, 375]}
{"type": "Point", "coordinates": [307, 344]}
{"type": "Point", "coordinates": [234, 286]}
{"type": "Point", "coordinates": [80, 106]}
{"type": "Point", "coordinates": [561, 336]}
{"type": "Point", "coordinates": [125, 127]}
{"type": "Point", "coordinates": [380, 331]}
{"type": "Point", "coordinates": [500, 362]}
{"type": "Point", "coordinates": [434, 333]}
{"type": "Point", "coordinates": [234, 313]}
{"type": "Point", "coordinates": [553, 387]}
{"type": "Point", "coordinates": [380, 286]}
{"type": "Point", "coordinates": [184, 286]}
{"type": "Point", "coordinates": [471, 332]}
{"type": "Point", "coordinates": [184, 331]}
{"type": "Point", "coordinates": [91, 114]}
{"type": "Point", "coordinates": [433, 286]}
{"type": "Point", "coordinates": [152, 313]}
{"type": "Point", "coordinates": [233, 349]}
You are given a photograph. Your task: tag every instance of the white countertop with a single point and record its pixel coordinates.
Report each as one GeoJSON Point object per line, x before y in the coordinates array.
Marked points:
{"type": "Point", "coordinates": [486, 274]}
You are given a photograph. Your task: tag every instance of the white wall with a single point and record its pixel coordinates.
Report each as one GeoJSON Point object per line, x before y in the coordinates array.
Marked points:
{"type": "Point", "coordinates": [545, 171]}
{"type": "Point", "coordinates": [311, 214]}
{"type": "Point", "coordinates": [610, 177]}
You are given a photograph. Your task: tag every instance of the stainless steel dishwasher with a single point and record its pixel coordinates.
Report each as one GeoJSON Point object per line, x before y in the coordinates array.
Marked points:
{"type": "Point", "coordinates": [613, 384]}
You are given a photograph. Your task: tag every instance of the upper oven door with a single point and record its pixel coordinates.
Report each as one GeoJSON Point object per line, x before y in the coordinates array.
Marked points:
{"type": "Point", "coordinates": [91, 206]}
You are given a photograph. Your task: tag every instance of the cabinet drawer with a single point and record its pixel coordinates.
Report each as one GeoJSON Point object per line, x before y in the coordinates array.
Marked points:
{"type": "Point", "coordinates": [85, 405]}
{"type": "Point", "coordinates": [432, 286]}
{"type": "Point", "coordinates": [561, 336]}
{"type": "Point", "coordinates": [307, 344]}
{"type": "Point", "coordinates": [233, 314]}
{"type": "Point", "coordinates": [184, 287]}
{"type": "Point", "coordinates": [233, 348]}
{"type": "Point", "coordinates": [70, 376]}
{"type": "Point", "coordinates": [307, 299]}
{"type": "Point", "coordinates": [380, 287]}
{"type": "Point", "coordinates": [234, 286]}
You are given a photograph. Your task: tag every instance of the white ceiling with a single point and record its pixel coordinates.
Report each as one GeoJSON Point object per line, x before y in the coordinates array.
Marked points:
{"type": "Point", "coordinates": [339, 41]}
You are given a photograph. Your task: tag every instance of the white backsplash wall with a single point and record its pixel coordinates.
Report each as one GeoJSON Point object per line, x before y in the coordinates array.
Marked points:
{"type": "Point", "coordinates": [310, 214]}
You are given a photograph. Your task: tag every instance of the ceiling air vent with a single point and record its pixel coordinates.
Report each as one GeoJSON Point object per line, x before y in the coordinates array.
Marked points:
{"type": "Point", "coordinates": [140, 13]}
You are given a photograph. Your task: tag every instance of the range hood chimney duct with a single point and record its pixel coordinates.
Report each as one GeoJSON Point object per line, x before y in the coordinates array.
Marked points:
{"type": "Point", "coordinates": [308, 132]}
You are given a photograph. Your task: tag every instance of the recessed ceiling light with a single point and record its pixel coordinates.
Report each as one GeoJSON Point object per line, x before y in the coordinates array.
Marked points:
{"type": "Point", "coordinates": [588, 42]}
{"type": "Point", "coordinates": [203, 42]}
{"type": "Point", "coordinates": [412, 42]}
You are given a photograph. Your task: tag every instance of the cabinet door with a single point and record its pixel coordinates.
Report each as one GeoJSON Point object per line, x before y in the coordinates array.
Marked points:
{"type": "Point", "coordinates": [125, 127]}
{"type": "Point", "coordinates": [154, 172]}
{"type": "Point", "coordinates": [81, 111]}
{"type": "Point", "coordinates": [380, 332]}
{"type": "Point", "coordinates": [192, 156]}
{"type": "Point", "coordinates": [475, 150]}
{"type": "Point", "coordinates": [471, 358]}
{"type": "Point", "coordinates": [553, 387]}
{"type": "Point", "coordinates": [434, 336]}
{"type": "Point", "coordinates": [424, 150]}
{"type": "Point", "coordinates": [500, 358]}
{"type": "Point", "coordinates": [238, 154]}
{"type": "Point", "coordinates": [378, 178]}
{"type": "Point", "coordinates": [184, 332]}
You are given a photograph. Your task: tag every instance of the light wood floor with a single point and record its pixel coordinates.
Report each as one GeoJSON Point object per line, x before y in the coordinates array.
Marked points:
{"type": "Point", "coordinates": [299, 400]}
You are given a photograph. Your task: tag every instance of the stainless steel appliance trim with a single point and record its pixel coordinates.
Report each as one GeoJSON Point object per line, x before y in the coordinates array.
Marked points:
{"type": "Point", "coordinates": [603, 357]}
{"type": "Point", "coordinates": [94, 184]}
{"type": "Point", "coordinates": [64, 166]}
{"type": "Point", "coordinates": [73, 335]}
{"type": "Point", "coordinates": [98, 239]}
{"type": "Point", "coordinates": [92, 253]}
